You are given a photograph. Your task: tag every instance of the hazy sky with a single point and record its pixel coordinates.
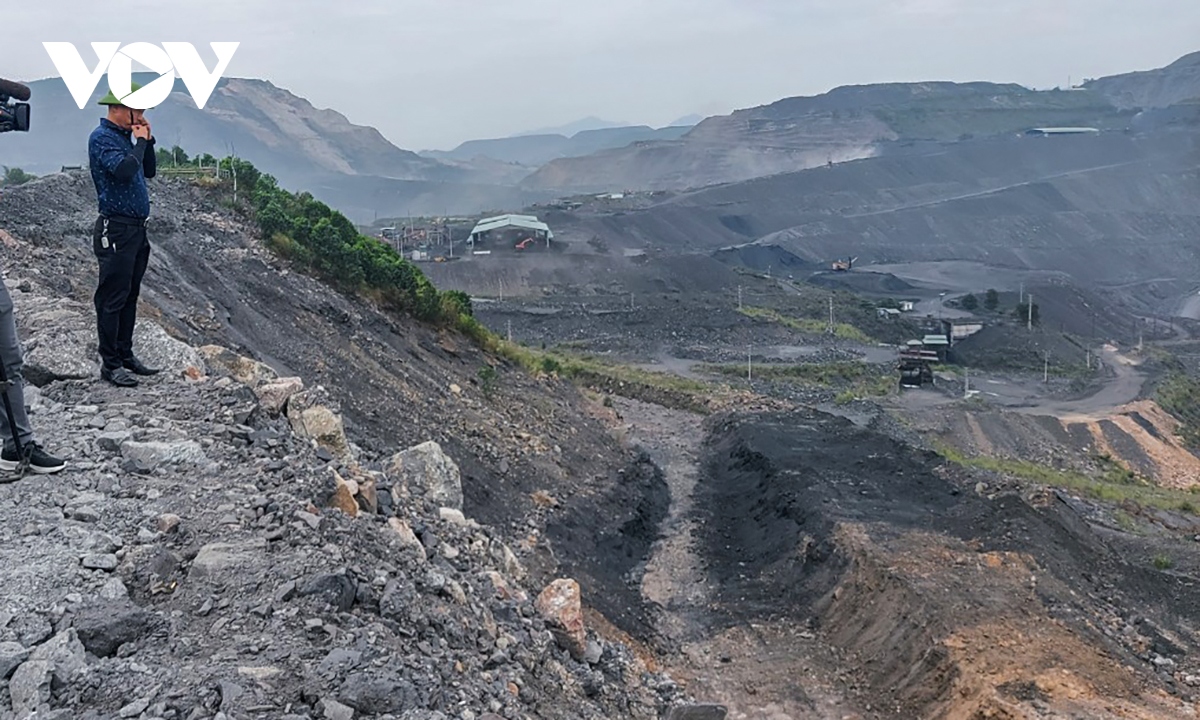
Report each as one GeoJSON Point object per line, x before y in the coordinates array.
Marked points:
{"type": "Point", "coordinates": [431, 73]}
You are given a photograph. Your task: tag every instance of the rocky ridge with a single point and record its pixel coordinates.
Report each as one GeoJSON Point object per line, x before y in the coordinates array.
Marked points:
{"type": "Point", "coordinates": [218, 548]}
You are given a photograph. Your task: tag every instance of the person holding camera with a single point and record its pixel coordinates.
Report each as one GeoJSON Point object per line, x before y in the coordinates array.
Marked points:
{"type": "Point", "coordinates": [21, 451]}
{"type": "Point", "coordinates": [121, 157]}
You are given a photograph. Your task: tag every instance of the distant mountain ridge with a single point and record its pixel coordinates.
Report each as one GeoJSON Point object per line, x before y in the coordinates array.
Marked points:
{"type": "Point", "coordinates": [303, 146]}
{"type": "Point", "coordinates": [1176, 83]}
{"type": "Point", "coordinates": [535, 150]}
{"type": "Point", "coordinates": [569, 129]}
{"type": "Point", "coordinates": [358, 168]}
{"type": "Point", "coordinates": [846, 123]}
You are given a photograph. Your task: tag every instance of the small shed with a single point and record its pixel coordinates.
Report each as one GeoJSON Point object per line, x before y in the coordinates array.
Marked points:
{"type": "Point", "coordinates": [504, 226]}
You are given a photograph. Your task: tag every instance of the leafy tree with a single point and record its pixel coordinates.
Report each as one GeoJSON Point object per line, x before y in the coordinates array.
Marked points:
{"type": "Point", "coordinates": [16, 176]}
{"type": "Point", "coordinates": [461, 300]}
{"type": "Point", "coordinates": [991, 301]}
{"type": "Point", "coordinates": [1021, 313]}
{"type": "Point", "coordinates": [970, 302]}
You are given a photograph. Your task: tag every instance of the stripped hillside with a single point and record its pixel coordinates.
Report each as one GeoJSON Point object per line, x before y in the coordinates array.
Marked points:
{"type": "Point", "coordinates": [1110, 209]}
{"type": "Point", "coordinates": [844, 124]}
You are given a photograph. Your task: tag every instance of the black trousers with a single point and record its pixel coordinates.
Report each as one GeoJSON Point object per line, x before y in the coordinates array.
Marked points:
{"type": "Point", "coordinates": [122, 250]}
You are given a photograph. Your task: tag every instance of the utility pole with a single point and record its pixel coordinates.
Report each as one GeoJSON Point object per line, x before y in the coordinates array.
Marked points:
{"type": "Point", "coordinates": [1029, 322]}
{"type": "Point", "coordinates": [1092, 341]}
{"type": "Point", "coordinates": [501, 289]}
{"type": "Point", "coordinates": [1022, 294]}
{"type": "Point", "coordinates": [739, 297]}
{"type": "Point", "coordinates": [509, 323]}
{"type": "Point", "coordinates": [831, 325]}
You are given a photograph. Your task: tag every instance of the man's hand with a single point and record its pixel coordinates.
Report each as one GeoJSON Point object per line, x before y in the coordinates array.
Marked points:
{"type": "Point", "coordinates": [141, 131]}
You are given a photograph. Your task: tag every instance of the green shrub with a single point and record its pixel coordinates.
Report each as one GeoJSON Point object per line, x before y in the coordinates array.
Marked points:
{"type": "Point", "coordinates": [487, 381]}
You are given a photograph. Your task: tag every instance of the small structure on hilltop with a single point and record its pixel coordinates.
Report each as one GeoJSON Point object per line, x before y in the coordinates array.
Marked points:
{"type": "Point", "coordinates": [1048, 131]}
{"type": "Point", "coordinates": [518, 232]}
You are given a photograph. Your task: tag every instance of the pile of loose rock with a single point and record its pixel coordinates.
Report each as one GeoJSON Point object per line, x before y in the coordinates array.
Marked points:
{"type": "Point", "coordinates": [219, 549]}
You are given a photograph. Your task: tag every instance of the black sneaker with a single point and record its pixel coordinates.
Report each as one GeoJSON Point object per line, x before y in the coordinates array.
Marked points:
{"type": "Point", "coordinates": [40, 461]}
{"type": "Point", "coordinates": [138, 367]}
{"type": "Point", "coordinates": [120, 377]}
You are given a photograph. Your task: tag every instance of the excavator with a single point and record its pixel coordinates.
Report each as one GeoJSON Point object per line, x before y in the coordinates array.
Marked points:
{"type": "Point", "coordinates": [840, 265]}
{"type": "Point", "coordinates": [524, 243]}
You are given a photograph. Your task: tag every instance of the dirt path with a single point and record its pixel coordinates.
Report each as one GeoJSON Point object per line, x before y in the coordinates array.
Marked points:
{"type": "Point", "coordinates": [1124, 388]}
{"type": "Point", "coordinates": [673, 579]}
{"type": "Point", "coordinates": [758, 672]}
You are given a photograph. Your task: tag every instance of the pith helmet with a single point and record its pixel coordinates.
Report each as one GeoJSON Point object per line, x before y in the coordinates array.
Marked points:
{"type": "Point", "coordinates": [111, 99]}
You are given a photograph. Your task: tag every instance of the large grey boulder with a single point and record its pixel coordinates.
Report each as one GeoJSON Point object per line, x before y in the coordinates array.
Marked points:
{"type": "Point", "coordinates": [60, 338]}
{"type": "Point", "coordinates": [426, 470]}
{"type": "Point", "coordinates": [155, 453]}
{"type": "Point", "coordinates": [30, 687]}
{"type": "Point", "coordinates": [157, 349]}
{"type": "Point", "coordinates": [12, 654]}
{"type": "Point", "coordinates": [65, 653]}
{"type": "Point", "coordinates": [234, 563]}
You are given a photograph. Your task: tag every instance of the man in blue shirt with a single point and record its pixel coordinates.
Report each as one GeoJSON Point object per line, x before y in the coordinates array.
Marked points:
{"type": "Point", "coordinates": [121, 156]}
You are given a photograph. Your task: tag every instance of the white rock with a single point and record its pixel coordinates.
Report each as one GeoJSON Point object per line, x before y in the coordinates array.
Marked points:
{"type": "Point", "coordinates": [426, 469]}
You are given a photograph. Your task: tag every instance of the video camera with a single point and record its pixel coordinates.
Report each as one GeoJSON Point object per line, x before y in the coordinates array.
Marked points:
{"type": "Point", "coordinates": [13, 115]}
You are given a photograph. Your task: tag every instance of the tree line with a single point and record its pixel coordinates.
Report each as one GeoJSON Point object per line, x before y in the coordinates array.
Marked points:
{"type": "Point", "coordinates": [991, 303]}
{"type": "Point", "coordinates": [324, 243]}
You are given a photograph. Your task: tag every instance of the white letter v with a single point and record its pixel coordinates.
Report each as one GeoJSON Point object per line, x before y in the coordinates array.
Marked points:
{"type": "Point", "coordinates": [200, 82]}
{"type": "Point", "coordinates": [80, 81]}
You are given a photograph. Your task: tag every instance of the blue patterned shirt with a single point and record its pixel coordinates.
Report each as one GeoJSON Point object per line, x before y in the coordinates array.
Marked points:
{"type": "Point", "coordinates": [119, 170]}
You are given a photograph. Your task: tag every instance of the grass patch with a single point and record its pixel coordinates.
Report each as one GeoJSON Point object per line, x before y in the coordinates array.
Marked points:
{"type": "Point", "coordinates": [844, 331]}
{"type": "Point", "coordinates": [1114, 473]}
{"type": "Point", "coordinates": [1162, 562]}
{"type": "Point", "coordinates": [1097, 488]}
{"type": "Point", "coordinates": [1125, 521]}
{"type": "Point", "coordinates": [863, 380]}
{"type": "Point", "coordinates": [827, 374]}
{"type": "Point", "coordinates": [1179, 394]}
{"type": "Point", "coordinates": [613, 377]}
{"type": "Point", "coordinates": [949, 369]}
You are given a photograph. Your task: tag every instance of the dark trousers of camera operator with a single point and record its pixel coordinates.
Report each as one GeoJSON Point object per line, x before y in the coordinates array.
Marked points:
{"type": "Point", "coordinates": [10, 355]}
{"type": "Point", "coordinates": [123, 250]}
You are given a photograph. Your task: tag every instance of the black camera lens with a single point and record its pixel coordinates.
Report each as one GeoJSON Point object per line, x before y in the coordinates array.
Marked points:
{"type": "Point", "coordinates": [21, 117]}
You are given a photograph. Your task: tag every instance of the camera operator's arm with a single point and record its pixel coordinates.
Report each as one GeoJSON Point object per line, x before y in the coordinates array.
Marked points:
{"type": "Point", "coordinates": [119, 161]}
